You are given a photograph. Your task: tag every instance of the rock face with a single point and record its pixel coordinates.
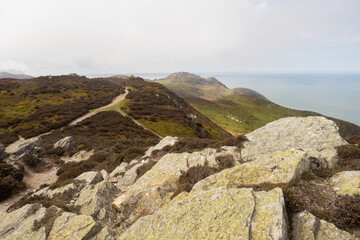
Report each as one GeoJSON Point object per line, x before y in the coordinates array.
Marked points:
{"type": "Point", "coordinates": [307, 226]}
{"type": "Point", "coordinates": [274, 168]}
{"type": "Point", "coordinates": [166, 141]}
{"type": "Point", "coordinates": [95, 201]}
{"type": "Point", "coordinates": [31, 146]}
{"type": "Point", "coordinates": [317, 136]}
{"type": "Point", "coordinates": [157, 185]}
{"type": "Point", "coordinates": [66, 142]}
{"type": "Point", "coordinates": [346, 183]}
{"type": "Point", "coordinates": [70, 226]}
{"type": "Point", "coordinates": [91, 177]}
{"type": "Point", "coordinates": [18, 225]}
{"type": "Point", "coordinates": [216, 214]}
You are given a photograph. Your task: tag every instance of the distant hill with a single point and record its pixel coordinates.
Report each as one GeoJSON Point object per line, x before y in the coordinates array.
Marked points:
{"type": "Point", "coordinates": [14, 76]}
{"type": "Point", "coordinates": [188, 85]}
{"type": "Point", "coordinates": [238, 110]}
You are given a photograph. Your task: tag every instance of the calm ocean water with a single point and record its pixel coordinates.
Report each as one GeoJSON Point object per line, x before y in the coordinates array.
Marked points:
{"type": "Point", "coordinates": [335, 95]}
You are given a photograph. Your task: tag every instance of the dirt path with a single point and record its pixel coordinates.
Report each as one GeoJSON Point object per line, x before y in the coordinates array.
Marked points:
{"type": "Point", "coordinates": [33, 182]}
{"type": "Point", "coordinates": [115, 101]}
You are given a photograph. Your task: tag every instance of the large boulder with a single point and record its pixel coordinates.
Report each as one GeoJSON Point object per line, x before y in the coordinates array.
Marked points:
{"type": "Point", "coordinates": [95, 201]}
{"type": "Point", "coordinates": [30, 146]}
{"type": "Point", "coordinates": [317, 136]}
{"type": "Point", "coordinates": [307, 226]}
{"type": "Point", "coordinates": [18, 225]}
{"type": "Point", "coordinates": [346, 183]}
{"type": "Point", "coordinates": [66, 142]}
{"type": "Point", "coordinates": [166, 141]}
{"type": "Point", "coordinates": [70, 226]}
{"type": "Point", "coordinates": [274, 168]}
{"type": "Point", "coordinates": [216, 214]}
{"type": "Point", "coordinates": [158, 184]}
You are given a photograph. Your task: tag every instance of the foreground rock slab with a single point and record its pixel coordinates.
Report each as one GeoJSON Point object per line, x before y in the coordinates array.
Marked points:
{"type": "Point", "coordinates": [275, 168]}
{"type": "Point", "coordinates": [346, 183]}
{"type": "Point", "coordinates": [157, 185]}
{"type": "Point", "coordinates": [307, 226]}
{"type": "Point", "coordinates": [216, 214]}
{"type": "Point", "coordinates": [18, 225]}
{"type": "Point", "coordinates": [317, 136]}
{"type": "Point", "coordinates": [70, 226]}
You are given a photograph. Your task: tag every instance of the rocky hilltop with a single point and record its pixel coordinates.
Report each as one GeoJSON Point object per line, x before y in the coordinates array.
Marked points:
{"type": "Point", "coordinates": [290, 179]}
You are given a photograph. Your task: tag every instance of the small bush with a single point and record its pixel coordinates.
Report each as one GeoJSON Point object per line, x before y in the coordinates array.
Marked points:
{"type": "Point", "coordinates": [346, 214]}
{"type": "Point", "coordinates": [31, 160]}
{"type": "Point", "coordinates": [225, 161]}
{"type": "Point", "coordinates": [56, 151]}
{"type": "Point", "coordinates": [10, 186]}
{"type": "Point", "coordinates": [144, 168]}
{"type": "Point", "coordinates": [47, 220]}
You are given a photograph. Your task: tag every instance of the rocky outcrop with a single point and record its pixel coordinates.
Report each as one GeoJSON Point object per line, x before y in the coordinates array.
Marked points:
{"type": "Point", "coordinates": [66, 142]}
{"type": "Point", "coordinates": [18, 225]}
{"type": "Point", "coordinates": [119, 170]}
{"type": "Point", "coordinates": [30, 146]}
{"type": "Point", "coordinates": [346, 183]}
{"type": "Point", "coordinates": [307, 226]}
{"type": "Point", "coordinates": [157, 185]}
{"type": "Point", "coordinates": [216, 214]}
{"type": "Point", "coordinates": [70, 226]}
{"type": "Point", "coordinates": [95, 201]}
{"type": "Point", "coordinates": [316, 136]}
{"type": "Point", "coordinates": [166, 141]}
{"type": "Point", "coordinates": [91, 177]}
{"type": "Point", "coordinates": [274, 168]}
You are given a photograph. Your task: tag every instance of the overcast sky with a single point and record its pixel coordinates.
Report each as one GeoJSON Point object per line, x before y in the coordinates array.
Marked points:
{"type": "Point", "coordinates": [42, 37]}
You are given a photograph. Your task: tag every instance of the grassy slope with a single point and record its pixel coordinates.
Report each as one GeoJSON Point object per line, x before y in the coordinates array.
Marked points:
{"type": "Point", "coordinates": [222, 106]}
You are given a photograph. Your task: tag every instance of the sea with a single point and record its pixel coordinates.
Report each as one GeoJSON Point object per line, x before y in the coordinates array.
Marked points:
{"type": "Point", "coordinates": [332, 94]}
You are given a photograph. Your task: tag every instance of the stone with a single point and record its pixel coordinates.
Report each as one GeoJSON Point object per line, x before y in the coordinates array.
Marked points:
{"type": "Point", "coordinates": [166, 141]}
{"type": "Point", "coordinates": [70, 226]}
{"type": "Point", "coordinates": [91, 177]}
{"type": "Point", "coordinates": [2, 149]}
{"type": "Point", "coordinates": [346, 183]}
{"type": "Point", "coordinates": [104, 174]}
{"type": "Point", "coordinates": [307, 226]}
{"type": "Point", "coordinates": [80, 156]}
{"type": "Point", "coordinates": [66, 143]}
{"type": "Point", "coordinates": [133, 163]}
{"type": "Point", "coordinates": [18, 225]}
{"type": "Point", "coordinates": [57, 191]}
{"type": "Point", "coordinates": [131, 175]}
{"type": "Point", "coordinates": [157, 185]}
{"type": "Point", "coordinates": [119, 170]}
{"type": "Point", "coordinates": [216, 214]}
{"type": "Point", "coordinates": [275, 168]}
{"type": "Point", "coordinates": [317, 136]}
{"type": "Point", "coordinates": [95, 200]}
{"type": "Point", "coordinates": [32, 146]}
{"type": "Point", "coordinates": [106, 234]}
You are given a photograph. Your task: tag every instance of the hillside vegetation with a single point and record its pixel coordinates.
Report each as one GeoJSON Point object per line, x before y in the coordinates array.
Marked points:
{"type": "Point", "coordinates": [238, 110]}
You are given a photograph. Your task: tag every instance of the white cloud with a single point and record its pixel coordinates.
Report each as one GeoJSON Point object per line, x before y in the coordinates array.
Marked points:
{"type": "Point", "coordinates": [92, 36]}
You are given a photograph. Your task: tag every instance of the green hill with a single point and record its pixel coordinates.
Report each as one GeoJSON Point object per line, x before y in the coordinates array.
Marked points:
{"type": "Point", "coordinates": [238, 110]}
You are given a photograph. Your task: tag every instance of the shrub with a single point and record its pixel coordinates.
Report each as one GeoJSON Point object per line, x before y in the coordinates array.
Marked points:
{"type": "Point", "coordinates": [47, 220]}
{"type": "Point", "coordinates": [346, 214]}
{"type": "Point", "coordinates": [144, 168]}
{"type": "Point", "coordinates": [9, 186]}
{"type": "Point", "coordinates": [31, 160]}
{"type": "Point", "coordinates": [225, 161]}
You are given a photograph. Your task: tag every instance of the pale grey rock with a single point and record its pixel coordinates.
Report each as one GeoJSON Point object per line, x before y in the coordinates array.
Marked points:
{"type": "Point", "coordinates": [80, 156]}
{"type": "Point", "coordinates": [131, 175]}
{"type": "Point", "coordinates": [346, 183]}
{"type": "Point", "coordinates": [157, 185]}
{"type": "Point", "coordinates": [57, 191]}
{"type": "Point", "coordinates": [133, 163]}
{"type": "Point", "coordinates": [91, 177]}
{"type": "Point", "coordinates": [70, 226]}
{"type": "Point", "coordinates": [66, 142]}
{"type": "Point", "coordinates": [216, 214]}
{"type": "Point", "coordinates": [317, 136]}
{"type": "Point", "coordinates": [106, 234]}
{"type": "Point", "coordinates": [275, 168]}
{"type": "Point", "coordinates": [104, 174]}
{"type": "Point", "coordinates": [119, 170]}
{"type": "Point", "coordinates": [32, 146]}
{"type": "Point", "coordinates": [307, 226]}
{"type": "Point", "coordinates": [166, 141]}
{"type": "Point", "coordinates": [95, 201]}
{"type": "Point", "coordinates": [18, 225]}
